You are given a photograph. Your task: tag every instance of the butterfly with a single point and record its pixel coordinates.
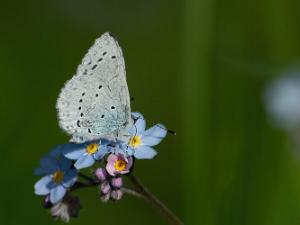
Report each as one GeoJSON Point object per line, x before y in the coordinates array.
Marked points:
{"type": "Point", "coordinates": [95, 102]}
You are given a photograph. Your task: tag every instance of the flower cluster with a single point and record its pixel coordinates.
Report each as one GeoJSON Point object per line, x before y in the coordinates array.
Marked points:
{"type": "Point", "coordinates": [110, 186]}
{"type": "Point", "coordinates": [61, 167]}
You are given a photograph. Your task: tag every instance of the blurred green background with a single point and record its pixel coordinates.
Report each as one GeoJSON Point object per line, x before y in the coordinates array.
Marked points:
{"type": "Point", "coordinates": [198, 66]}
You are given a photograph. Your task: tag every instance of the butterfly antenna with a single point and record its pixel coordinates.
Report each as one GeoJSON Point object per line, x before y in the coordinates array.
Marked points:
{"type": "Point", "coordinates": [169, 131]}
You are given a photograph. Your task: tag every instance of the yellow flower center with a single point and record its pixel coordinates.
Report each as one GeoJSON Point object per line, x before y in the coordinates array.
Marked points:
{"type": "Point", "coordinates": [135, 141]}
{"type": "Point", "coordinates": [58, 176]}
{"type": "Point", "coordinates": [120, 165]}
{"type": "Point", "coordinates": [92, 148]}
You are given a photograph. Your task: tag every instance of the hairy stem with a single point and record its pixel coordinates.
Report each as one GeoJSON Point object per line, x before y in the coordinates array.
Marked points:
{"type": "Point", "coordinates": [161, 207]}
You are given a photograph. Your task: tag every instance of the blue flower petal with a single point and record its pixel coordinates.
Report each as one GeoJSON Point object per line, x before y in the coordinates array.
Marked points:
{"type": "Point", "coordinates": [144, 152]}
{"type": "Point", "coordinates": [139, 125]}
{"type": "Point", "coordinates": [42, 187]}
{"type": "Point", "coordinates": [48, 165]}
{"type": "Point", "coordinates": [136, 115]}
{"type": "Point", "coordinates": [56, 152]}
{"type": "Point", "coordinates": [65, 163]}
{"type": "Point", "coordinates": [74, 154]}
{"type": "Point", "coordinates": [84, 161]}
{"type": "Point", "coordinates": [158, 130]}
{"type": "Point", "coordinates": [73, 147]}
{"type": "Point", "coordinates": [151, 141]}
{"type": "Point", "coordinates": [57, 193]}
{"type": "Point", "coordinates": [154, 135]}
{"type": "Point", "coordinates": [101, 152]}
{"type": "Point", "coordinates": [129, 151]}
{"type": "Point", "coordinates": [70, 178]}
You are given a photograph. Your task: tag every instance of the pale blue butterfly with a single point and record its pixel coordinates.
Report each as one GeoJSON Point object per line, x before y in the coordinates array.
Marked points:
{"type": "Point", "coordinates": [95, 103]}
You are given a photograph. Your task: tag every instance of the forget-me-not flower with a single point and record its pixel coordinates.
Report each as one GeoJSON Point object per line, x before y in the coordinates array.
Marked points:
{"type": "Point", "coordinates": [141, 140]}
{"type": "Point", "coordinates": [87, 153]}
{"type": "Point", "coordinates": [118, 164]}
{"type": "Point", "coordinates": [59, 176]}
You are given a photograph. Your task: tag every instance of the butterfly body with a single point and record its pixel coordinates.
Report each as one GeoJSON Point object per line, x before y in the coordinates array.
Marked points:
{"type": "Point", "coordinates": [95, 103]}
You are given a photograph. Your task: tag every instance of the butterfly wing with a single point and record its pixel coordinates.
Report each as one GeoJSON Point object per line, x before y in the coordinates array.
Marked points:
{"type": "Point", "coordinates": [95, 103]}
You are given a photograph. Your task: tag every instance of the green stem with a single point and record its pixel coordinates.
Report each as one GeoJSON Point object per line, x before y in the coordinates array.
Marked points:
{"type": "Point", "coordinates": [161, 207]}
{"type": "Point", "coordinates": [87, 178]}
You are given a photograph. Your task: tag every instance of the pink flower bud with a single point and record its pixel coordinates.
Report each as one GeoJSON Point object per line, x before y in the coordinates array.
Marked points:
{"type": "Point", "coordinates": [105, 188]}
{"type": "Point", "coordinates": [116, 194]}
{"type": "Point", "coordinates": [105, 198]}
{"type": "Point", "coordinates": [117, 182]}
{"type": "Point", "coordinates": [101, 174]}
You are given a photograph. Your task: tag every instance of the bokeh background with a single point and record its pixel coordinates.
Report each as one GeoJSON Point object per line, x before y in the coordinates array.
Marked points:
{"type": "Point", "coordinates": [198, 66]}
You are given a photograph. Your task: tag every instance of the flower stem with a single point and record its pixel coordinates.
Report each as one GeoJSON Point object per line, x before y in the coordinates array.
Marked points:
{"type": "Point", "coordinates": [133, 193]}
{"type": "Point", "coordinates": [87, 178]}
{"type": "Point", "coordinates": [140, 191]}
{"type": "Point", "coordinates": [161, 207]}
{"type": "Point", "coordinates": [80, 185]}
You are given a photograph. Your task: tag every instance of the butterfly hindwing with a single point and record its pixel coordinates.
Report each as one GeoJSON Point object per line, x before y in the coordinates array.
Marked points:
{"type": "Point", "coordinates": [95, 103]}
